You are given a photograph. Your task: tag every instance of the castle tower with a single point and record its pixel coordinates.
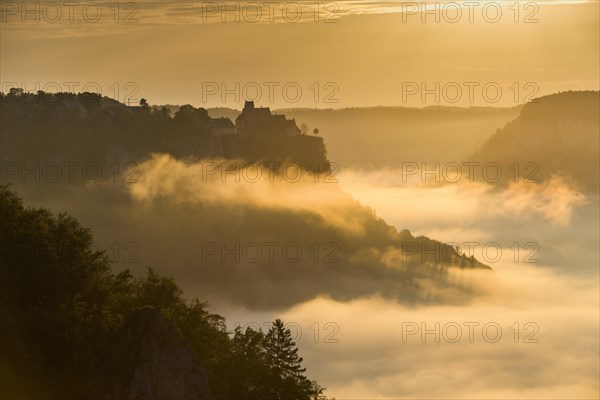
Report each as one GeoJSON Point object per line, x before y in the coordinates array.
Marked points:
{"type": "Point", "coordinates": [249, 104]}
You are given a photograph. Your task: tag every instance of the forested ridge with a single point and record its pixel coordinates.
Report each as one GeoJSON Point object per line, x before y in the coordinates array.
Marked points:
{"type": "Point", "coordinates": [64, 313]}
{"type": "Point", "coordinates": [89, 128]}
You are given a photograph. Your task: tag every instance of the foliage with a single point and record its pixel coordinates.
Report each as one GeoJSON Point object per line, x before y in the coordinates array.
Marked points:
{"type": "Point", "coordinates": [63, 309]}
{"type": "Point", "coordinates": [87, 128]}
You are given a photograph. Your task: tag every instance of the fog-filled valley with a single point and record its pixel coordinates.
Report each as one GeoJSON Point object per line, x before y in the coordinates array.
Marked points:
{"type": "Point", "coordinates": [300, 200]}
{"type": "Point", "coordinates": [470, 282]}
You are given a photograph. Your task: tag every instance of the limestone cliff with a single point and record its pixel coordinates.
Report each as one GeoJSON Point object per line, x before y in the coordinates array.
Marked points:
{"type": "Point", "coordinates": [154, 362]}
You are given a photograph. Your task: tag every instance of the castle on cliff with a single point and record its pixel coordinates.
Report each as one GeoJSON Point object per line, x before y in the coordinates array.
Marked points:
{"type": "Point", "coordinates": [256, 121]}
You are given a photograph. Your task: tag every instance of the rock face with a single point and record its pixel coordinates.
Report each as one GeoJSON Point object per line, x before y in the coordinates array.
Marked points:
{"type": "Point", "coordinates": [303, 150]}
{"type": "Point", "coordinates": [554, 135]}
{"type": "Point", "coordinates": [154, 362]}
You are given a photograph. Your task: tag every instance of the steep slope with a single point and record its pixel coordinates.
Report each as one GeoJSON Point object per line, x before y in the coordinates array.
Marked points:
{"type": "Point", "coordinates": [557, 134]}
{"type": "Point", "coordinates": [155, 362]}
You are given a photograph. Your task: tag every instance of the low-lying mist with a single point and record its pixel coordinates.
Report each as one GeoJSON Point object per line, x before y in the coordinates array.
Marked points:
{"type": "Point", "coordinates": [264, 238]}
{"type": "Point", "coordinates": [360, 291]}
{"type": "Point", "coordinates": [532, 335]}
{"type": "Point", "coordinates": [530, 332]}
{"type": "Point", "coordinates": [548, 223]}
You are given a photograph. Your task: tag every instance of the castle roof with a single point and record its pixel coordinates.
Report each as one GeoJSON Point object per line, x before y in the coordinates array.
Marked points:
{"type": "Point", "coordinates": [261, 120]}
{"type": "Point", "coordinates": [261, 112]}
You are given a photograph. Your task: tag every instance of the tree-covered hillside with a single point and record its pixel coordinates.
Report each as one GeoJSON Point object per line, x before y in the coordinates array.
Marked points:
{"type": "Point", "coordinates": [89, 128]}
{"type": "Point", "coordinates": [69, 324]}
{"type": "Point", "coordinates": [557, 134]}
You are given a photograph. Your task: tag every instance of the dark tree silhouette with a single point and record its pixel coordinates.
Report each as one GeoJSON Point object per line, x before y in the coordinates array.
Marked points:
{"type": "Point", "coordinates": [63, 311]}
{"type": "Point", "coordinates": [288, 374]}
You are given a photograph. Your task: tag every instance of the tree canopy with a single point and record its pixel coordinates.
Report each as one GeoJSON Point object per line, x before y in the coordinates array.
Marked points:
{"type": "Point", "coordinates": [63, 310]}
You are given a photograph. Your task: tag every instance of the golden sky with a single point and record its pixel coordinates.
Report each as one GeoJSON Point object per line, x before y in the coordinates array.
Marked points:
{"type": "Point", "coordinates": [366, 54]}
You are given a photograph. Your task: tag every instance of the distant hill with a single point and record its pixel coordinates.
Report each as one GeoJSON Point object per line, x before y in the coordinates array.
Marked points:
{"type": "Point", "coordinates": [389, 136]}
{"type": "Point", "coordinates": [223, 112]}
{"type": "Point", "coordinates": [559, 133]}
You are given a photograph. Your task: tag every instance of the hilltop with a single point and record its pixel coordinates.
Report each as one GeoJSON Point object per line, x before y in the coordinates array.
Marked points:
{"type": "Point", "coordinates": [558, 134]}
{"type": "Point", "coordinates": [86, 127]}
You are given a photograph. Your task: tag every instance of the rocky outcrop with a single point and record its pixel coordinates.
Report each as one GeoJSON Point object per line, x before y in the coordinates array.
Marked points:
{"type": "Point", "coordinates": [554, 135]}
{"type": "Point", "coordinates": [303, 150]}
{"type": "Point", "coordinates": [154, 362]}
